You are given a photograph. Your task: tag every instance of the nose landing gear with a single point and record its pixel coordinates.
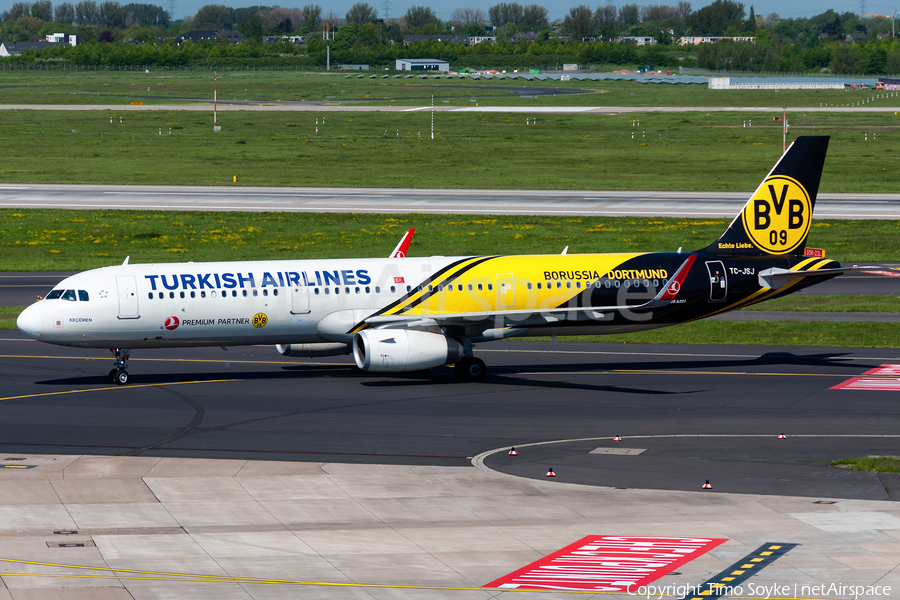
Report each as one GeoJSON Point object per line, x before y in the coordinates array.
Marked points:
{"type": "Point", "coordinates": [119, 375]}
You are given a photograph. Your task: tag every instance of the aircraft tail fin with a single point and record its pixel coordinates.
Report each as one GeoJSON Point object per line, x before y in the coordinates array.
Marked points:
{"type": "Point", "coordinates": [777, 217]}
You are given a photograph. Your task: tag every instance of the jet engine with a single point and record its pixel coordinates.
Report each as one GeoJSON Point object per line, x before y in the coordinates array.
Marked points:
{"type": "Point", "coordinates": [398, 350]}
{"type": "Point", "coordinates": [310, 350]}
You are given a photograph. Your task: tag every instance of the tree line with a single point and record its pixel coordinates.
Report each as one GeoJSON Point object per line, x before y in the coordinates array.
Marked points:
{"type": "Point", "coordinates": [143, 34]}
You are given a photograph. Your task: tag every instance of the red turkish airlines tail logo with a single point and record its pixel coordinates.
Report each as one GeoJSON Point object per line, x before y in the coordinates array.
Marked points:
{"type": "Point", "coordinates": [678, 279]}
{"type": "Point", "coordinates": [171, 323]}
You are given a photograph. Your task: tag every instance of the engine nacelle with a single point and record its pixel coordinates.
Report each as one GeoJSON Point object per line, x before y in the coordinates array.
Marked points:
{"type": "Point", "coordinates": [398, 350]}
{"type": "Point", "coordinates": [311, 350]}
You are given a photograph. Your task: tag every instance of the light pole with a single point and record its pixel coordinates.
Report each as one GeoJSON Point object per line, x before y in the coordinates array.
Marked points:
{"type": "Point", "coordinates": [215, 79]}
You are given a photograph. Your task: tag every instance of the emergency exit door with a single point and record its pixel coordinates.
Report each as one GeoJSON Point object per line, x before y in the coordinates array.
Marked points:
{"type": "Point", "coordinates": [506, 290]}
{"type": "Point", "coordinates": [718, 282]}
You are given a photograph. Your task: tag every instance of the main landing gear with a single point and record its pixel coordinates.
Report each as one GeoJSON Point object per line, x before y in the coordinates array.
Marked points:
{"type": "Point", "coordinates": [470, 369]}
{"type": "Point", "coordinates": [119, 375]}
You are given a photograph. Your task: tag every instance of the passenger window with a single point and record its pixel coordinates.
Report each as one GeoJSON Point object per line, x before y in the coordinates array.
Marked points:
{"type": "Point", "coordinates": [617, 283]}
{"type": "Point", "coordinates": [54, 295]}
{"type": "Point", "coordinates": [69, 295]}
{"type": "Point", "coordinates": [607, 284]}
{"type": "Point", "coordinates": [569, 285]}
{"type": "Point", "coordinates": [326, 291]}
{"type": "Point", "coordinates": [160, 295]}
{"type": "Point", "coordinates": [212, 294]}
{"type": "Point", "coordinates": [367, 289]}
{"type": "Point", "coordinates": [181, 294]}
{"type": "Point", "coordinates": [490, 286]}
{"type": "Point", "coordinates": [578, 284]}
{"type": "Point", "coordinates": [171, 295]}
{"type": "Point", "coordinates": [346, 290]}
{"type": "Point", "coordinates": [646, 283]}
{"type": "Point", "coordinates": [393, 289]}
{"type": "Point", "coordinates": [357, 290]}
{"type": "Point", "coordinates": [529, 285]}
{"type": "Point", "coordinates": [627, 283]}
{"type": "Point", "coordinates": [538, 286]}
{"type": "Point", "coordinates": [265, 292]}
{"type": "Point", "coordinates": [193, 295]}
{"type": "Point", "coordinates": [480, 287]}
{"type": "Point", "coordinates": [202, 294]}
{"type": "Point", "coordinates": [244, 293]}
{"type": "Point", "coordinates": [459, 288]}
{"type": "Point", "coordinates": [150, 295]}
{"type": "Point", "coordinates": [656, 283]}
{"type": "Point", "coordinates": [470, 287]}
{"type": "Point", "coordinates": [430, 289]}
{"type": "Point", "coordinates": [256, 292]}
{"type": "Point", "coordinates": [316, 290]}
{"type": "Point", "coordinates": [83, 295]}
{"type": "Point", "coordinates": [377, 289]}
{"type": "Point", "coordinates": [558, 284]}
{"type": "Point", "coordinates": [337, 290]}
{"type": "Point", "coordinates": [274, 292]}
{"type": "Point", "coordinates": [234, 293]}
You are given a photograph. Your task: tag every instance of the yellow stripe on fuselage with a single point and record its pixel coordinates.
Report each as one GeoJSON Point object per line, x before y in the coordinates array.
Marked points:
{"type": "Point", "coordinates": [496, 273]}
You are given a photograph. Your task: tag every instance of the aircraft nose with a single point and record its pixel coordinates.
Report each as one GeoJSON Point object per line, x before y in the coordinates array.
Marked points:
{"type": "Point", "coordinates": [29, 322]}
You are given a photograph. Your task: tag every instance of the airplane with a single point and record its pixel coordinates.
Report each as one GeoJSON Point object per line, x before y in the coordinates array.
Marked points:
{"type": "Point", "coordinates": [411, 314]}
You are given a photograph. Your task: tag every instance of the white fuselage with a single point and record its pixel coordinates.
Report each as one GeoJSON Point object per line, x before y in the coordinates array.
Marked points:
{"type": "Point", "coordinates": [221, 304]}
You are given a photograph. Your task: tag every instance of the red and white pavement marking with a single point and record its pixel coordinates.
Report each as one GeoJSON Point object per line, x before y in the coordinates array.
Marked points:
{"type": "Point", "coordinates": [885, 273]}
{"type": "Point", "coordinates": [888, 384]}
{"type": "Point", "coordinates": [607, 563]}
{"type": "Point", "coordinates": [880, 382]}
{"type": "Point", "coordinates": [885, 371]}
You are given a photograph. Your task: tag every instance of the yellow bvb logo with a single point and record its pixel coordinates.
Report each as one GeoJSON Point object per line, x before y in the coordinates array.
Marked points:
{"type": "Point", "coordinates": [777, 218]}
{"type": "Point", "coordinates": [260, 320]}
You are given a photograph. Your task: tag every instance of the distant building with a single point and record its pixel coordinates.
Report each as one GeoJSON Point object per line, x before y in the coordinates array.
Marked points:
{"type": "Point", "coordinates": [63, 38]}
{"type": "Point", "coordinates": [453, 39]}
{"type": "Point", "coordinates": [639, 40]}
{"type": "Point", "coordinates": [422, 64]}
{"type": "Point", "coordinates": [523, 35]}
{"type": "Point", "coordinates": [353, 67]}
{"type": "Point", "coordinates": [14, 48]}
{"type": "Point", "coordinates": [693, 40]}
{"type": "Point", "coordinates": [233, 37]}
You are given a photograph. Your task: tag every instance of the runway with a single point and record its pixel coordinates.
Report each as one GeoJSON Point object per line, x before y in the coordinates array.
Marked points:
{"type": "Point", "coordinates": [251, 403]}
{"type": "Point", "coordinates": [241, 474]}
{"type": "Point", "coordinates": [448, 201]}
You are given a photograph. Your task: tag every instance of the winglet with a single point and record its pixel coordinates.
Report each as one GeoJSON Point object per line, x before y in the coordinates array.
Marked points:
{"type": "Point", "coordinates": [403, 246]}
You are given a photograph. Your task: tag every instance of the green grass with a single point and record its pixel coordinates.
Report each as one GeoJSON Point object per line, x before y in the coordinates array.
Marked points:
{"type": "Point", "coordinates": [165, 88]}
{"type": "Point", "coordinates": [837, 303]}
{"type": "Point", "coordinates": [670, 151]}
{"type": "Point", "coordinates": [69, 240]}
{"type": "Point", "coordinates": [763, 333]}
{"type": "Point", "coordinates": [881, 464]}
{"type": "Point", "coordinates": [8, 316]}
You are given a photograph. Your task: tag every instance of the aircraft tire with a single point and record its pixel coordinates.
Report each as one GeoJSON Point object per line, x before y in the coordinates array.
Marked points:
{"type": "Point", "coordinates": [112, 376]}
{"type": "Point", "coordinates": [121, 377]}
{"type": "Point", "coordinates": [470, 369]}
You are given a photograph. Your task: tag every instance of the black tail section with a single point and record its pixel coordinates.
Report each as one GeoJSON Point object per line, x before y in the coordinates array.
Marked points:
{"type": "Point", "coordinates": [777, 217]}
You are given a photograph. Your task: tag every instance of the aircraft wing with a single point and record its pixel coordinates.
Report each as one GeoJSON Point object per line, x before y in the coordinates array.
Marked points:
{"type": "Point", "coordinates": [532, 316]}
{"type": "Point", "coordinates": [403, 246]}
{"type": "Point", "coordinates": [776, 277]}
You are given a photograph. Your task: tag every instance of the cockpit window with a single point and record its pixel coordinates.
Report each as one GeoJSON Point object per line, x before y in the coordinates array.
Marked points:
{"type": "Point", "coordinates": [54, 294]}
{"type": "Point", "coordinates": [83, 295]}
{"type": "Point", "coordinates": [69, 295]}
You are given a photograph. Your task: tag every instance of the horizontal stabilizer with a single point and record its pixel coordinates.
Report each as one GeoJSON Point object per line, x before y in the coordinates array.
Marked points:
{"type": "Point", "coordinates": [775, 277]}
